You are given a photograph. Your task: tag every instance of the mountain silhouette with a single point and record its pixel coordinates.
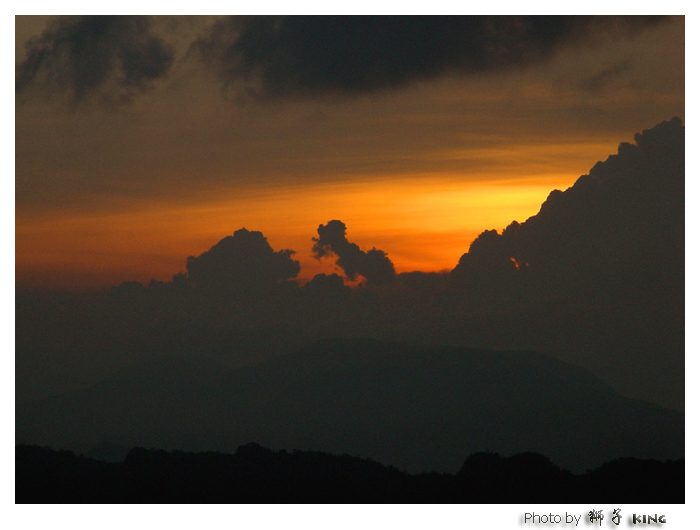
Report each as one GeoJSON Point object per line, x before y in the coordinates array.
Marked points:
{"type": "Point", "coordinates": [419, 409]}
{"type": "Point", "coordinates": [255, 474]}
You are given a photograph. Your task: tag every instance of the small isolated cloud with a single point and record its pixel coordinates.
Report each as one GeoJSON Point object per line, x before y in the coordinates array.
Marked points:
{"type": "Point", "coordinates": [113, 55]}
{"type": "Point", "coordinates": [606, 77]}
{"type": "Point", "coordinates": [374, 265]}
{"type": "Point", "coordinates": [317, 55]}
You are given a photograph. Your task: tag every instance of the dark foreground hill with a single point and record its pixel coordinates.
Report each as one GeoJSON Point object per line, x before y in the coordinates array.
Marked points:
{"type": "Point", "coordinates": [419, 409]}
{"type": "Point", "coordinates": [255, 474]}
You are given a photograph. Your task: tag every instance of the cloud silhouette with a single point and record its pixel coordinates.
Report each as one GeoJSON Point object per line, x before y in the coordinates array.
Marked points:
{"type": "Point", "coordinates": [595, 278]}
{"type": "Point", "coordinates": [605, 232]}
{"type": "Point", "coordinates": [324, 287]}
{"type": "Point", "coordinates": [374, 264]}
{"type": "Point", "coordinates": [244, 263]}
{"type": "Point", "coordinates": [312, 55]}
{"type": "Point", "coordinates": [605, 270]}
{"type": "Point", "coordinates": [113, 55]}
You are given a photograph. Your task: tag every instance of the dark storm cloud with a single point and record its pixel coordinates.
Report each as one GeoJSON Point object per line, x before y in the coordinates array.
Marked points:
{"type": "Point", "coordinates": [374, 264]}
{"type": "Point", "coordinates": [311, 56]}
{"type": "Point", "coordinates": [85, 54]}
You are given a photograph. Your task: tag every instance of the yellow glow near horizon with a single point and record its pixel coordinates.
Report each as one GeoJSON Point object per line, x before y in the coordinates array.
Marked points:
{"type": "Point", "coordinates": [422, 223]}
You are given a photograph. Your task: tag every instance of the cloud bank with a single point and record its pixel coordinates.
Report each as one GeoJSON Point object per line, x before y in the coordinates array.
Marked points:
{"type": "Point", "coordinates": [117, 57]}
{"type": "Point", "coordinates": [313, 56]}
{"type": "Point", "coordinates": [596, 278]}
{"type": "Point", "coordinates": [618, 229]}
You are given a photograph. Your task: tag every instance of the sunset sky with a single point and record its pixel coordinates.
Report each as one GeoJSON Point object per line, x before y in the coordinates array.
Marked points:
{"type": "Point", "coordinates": [146, 147]}
{"type": "Point", "coordinates": [144, 141]}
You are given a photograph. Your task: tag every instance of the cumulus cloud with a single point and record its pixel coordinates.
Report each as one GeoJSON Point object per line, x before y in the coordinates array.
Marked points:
{"type": "Point", "coordinates": [311, 55]}
{"type": "Point", "coordinates": [242, 263]}
{"type": "Point", "coordinates": [323, 284]}
{"type": "Point", "coordinates": [617, 232]}
{"type": "Point", "coordinates": [116, 56]}
{"type": "Point", "coordinates": [491, 252]}
{"type": "Point", "coordinates": [373, 264]}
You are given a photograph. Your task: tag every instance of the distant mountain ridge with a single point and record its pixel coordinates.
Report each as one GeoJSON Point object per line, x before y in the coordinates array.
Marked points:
{"type": "Point", "coordinates": [416, 408]}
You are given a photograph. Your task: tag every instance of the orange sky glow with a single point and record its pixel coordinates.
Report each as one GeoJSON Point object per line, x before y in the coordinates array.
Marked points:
{"type": "Point", "coordinates": [109, 192]}
{"type": "Point", "coordinates": [423, 224]}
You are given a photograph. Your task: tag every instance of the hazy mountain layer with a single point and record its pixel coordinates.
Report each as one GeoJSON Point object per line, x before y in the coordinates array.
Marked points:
{"type": "Point", "coordinates": [416, 408]}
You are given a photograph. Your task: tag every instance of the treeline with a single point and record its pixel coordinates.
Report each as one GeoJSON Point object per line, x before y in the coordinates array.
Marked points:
{"type": "Point", "coordinates": [258, 475]}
